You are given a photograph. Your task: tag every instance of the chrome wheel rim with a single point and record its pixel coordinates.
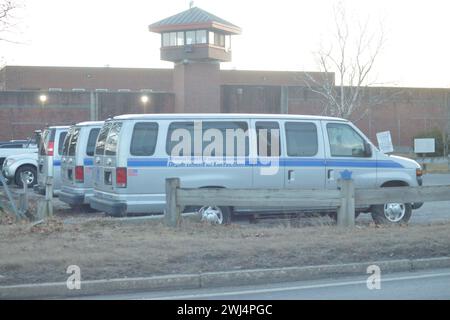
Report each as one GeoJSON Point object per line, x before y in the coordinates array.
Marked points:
{"type": "Point", "coordinates": [211, 214]}
{"type": "Point", "coordinates": [394, 212]}
{"type": "Point", "coordinates": [29, 176]}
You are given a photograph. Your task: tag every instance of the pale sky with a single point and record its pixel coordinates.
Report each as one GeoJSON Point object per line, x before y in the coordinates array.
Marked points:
{"type": "Point", "coordinates": [277, 35]}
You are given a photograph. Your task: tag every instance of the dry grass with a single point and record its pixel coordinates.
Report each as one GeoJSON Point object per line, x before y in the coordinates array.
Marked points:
{"type": "Point", "coordinates": [106, 249]}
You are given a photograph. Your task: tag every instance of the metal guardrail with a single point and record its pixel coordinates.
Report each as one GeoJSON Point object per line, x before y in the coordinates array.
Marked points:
{"type": "Point", "coordinates": [344, 200]}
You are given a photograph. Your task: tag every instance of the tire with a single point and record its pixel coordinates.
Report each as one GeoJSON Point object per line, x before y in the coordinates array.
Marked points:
{"type": "Point", "coordinates": [400, 213]}
{"type": "Point", "coordinates": [31, 173]}
{"type": "Point", "coordinates": [222, 214]}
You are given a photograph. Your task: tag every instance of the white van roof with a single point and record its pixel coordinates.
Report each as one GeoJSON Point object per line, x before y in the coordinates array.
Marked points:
{"type": "Point", "coordinates": [221, 116]}
{"type": "Point", "coordinates": [90, 123]}
{"type": "Point", "coordinates": [59, 127]}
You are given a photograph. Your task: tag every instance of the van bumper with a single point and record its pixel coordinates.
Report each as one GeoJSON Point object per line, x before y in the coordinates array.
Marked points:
{"type": "Point", "coordinates": [114, 208]}
{"type": "Point", "coordinates": [71, 198]}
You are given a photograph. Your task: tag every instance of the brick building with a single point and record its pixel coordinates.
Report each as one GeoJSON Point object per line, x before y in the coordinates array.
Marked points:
{"type": "Point", "coordinates": [197, 42]}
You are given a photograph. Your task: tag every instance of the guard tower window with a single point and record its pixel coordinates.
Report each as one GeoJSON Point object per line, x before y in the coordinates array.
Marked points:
{"type": "Point", "coordinates": [200, 36]}
{"type": "Point", "coordinates": [173, 39]}
{"type": "Point", "coordinates": [180, 38]}
{"type": "Point", "coordinates": [190, 37]}
{"type": "Point", "coordinates": [219, 39]}
{"type": "Point", "coordinates": [165, 39]}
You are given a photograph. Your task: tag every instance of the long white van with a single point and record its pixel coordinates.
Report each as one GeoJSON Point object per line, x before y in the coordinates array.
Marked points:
{"type": "Point", "coordinates": [77, 163]}
{"type": "Point", "coordinates": [49, 159]}
{"type": "Point", "coordinates": [134, 155]}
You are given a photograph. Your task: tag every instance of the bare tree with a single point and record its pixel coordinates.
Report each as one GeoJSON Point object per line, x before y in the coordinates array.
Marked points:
{"type": "Point", "coordinates": [7, 19]}
{"type": "Point", "coordinates": [348, 60]}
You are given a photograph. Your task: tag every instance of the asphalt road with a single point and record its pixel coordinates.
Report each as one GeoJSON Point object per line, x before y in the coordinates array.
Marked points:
{"type": "Point", "coordinates": [434, 284]}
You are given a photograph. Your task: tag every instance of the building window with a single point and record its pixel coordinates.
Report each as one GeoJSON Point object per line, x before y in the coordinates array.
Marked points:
{"type": "Point", "coordinates": [165, 39]}
{"type": "Point", "coordinates": [200, 36]}
{"type": "Point", "coordinates": [190, 37]}
{"type": "Point", "coordinates": [173, 39]}
{"type": "Point", "coordinates": [180, 38]}
{"type": "Point", "coordinates": [228, 42]}
{"type": "Point", "coordinates": [219, 39]}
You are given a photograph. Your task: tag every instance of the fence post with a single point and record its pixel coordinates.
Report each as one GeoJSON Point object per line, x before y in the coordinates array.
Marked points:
{"type": "Point", "coordinates": [346, 212]}
{"type": "Point", "coordinates": [49, 196]}
{"type": "Point", "coordinates": [45, 207]}
{"type": "Point", "coordinates": [172, 214]}
{"type": "Point", "coordinates": [23, 197]}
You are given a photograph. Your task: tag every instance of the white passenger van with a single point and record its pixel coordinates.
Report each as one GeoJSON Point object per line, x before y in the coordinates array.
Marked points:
{"type": "Point", "coordinates": [49, 159]}
{"type": "Point", "coordinates": [136, 153]}
{"type": "Point", "coordinates": [77, 163]}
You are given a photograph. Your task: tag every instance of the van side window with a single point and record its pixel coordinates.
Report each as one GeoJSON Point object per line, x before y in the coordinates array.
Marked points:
{"type": "Point", "coordinates": [345, 141]}
{"type": "Point", "coordinates": [143, 140]}
{"type": "Point", "coordinates": [93, 134]}
{"type": "Point", "coordinates": [112, 139]}
{"type": "Point", "coordinates": [62, 136]}
{"type": "Point", "coordinates": [100, 145]}
{"type": "Point", "coordinates": [73, 142]}
{"type": "Point", "coordinates": [272, 131]}
{"type": "Point", "coordinates": [239, 130]}
{"type": "Point", "coordinates": [301, 139]}
{"type": "Point", "coordinates": [236, 130]}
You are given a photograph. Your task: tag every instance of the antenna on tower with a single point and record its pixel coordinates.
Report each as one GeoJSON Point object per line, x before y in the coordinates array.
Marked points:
{"type": "Point", "coordinates": [191, 4]}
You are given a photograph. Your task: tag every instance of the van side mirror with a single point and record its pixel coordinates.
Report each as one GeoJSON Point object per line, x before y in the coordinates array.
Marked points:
{"type": "Point", "coordinates": [367, 149]}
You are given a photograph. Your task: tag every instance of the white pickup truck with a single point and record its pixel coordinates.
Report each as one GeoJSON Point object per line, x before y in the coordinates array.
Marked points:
{"type": "Point", "coordinates": [17, 157]}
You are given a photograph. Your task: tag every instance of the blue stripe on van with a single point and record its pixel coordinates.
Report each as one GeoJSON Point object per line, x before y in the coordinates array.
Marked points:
{"type": "Point", "coordinates": [56, 163]}
{"type": "Point", "coordinates": [88, 161]}
{"type": "Point", "coordinates": [283, 162]}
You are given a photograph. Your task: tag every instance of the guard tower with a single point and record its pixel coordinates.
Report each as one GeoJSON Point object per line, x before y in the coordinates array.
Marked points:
{"type": "Point", "coordinates": [196, 41]}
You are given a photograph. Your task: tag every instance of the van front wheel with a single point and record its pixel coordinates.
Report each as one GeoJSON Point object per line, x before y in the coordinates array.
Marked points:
{"type": "Point", "coordinates": [215, 214]}
{"type": "Point", "coordinates": [391, 213]}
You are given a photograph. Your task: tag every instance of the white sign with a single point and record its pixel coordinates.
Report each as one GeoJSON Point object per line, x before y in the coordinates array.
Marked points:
{"type": "Point", "coordinates": [424, 145]}
{"type": "Point", "coordinates": [385, 142]}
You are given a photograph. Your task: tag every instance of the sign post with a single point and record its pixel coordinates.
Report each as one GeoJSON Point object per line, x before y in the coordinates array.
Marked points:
{"type": "Point", "coordinates": [426, 145]}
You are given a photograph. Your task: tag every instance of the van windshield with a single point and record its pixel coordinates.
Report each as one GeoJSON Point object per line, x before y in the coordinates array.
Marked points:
{"type": "Point", "coordinates": [101, 141]}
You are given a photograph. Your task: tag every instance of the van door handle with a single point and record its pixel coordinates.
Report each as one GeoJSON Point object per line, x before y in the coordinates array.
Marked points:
{"type": "Point", "coordinates": [330, 174]}
{"type": "Point", "coordinates": [97, 160]}
{"type": "Point", "coordinates": [291, 175]}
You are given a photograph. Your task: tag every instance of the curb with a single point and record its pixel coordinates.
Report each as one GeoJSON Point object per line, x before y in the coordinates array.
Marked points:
{"type": "Point", "coordinates": [215, 279]}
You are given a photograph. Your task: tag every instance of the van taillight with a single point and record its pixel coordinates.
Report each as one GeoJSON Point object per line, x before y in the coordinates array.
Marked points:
{"type": "Point", "coordinates": [79, 174]}
{"type": "Point", "coordinates": [50, 148]}
{"type": "Point", "coordinates": [121, 177]}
